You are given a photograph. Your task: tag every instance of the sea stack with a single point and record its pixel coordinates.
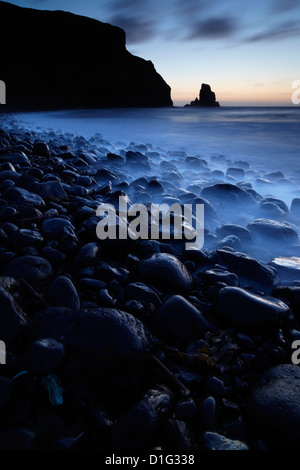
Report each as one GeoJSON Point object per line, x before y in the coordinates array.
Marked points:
{"type": "Point", "coordinates": [207, 98]}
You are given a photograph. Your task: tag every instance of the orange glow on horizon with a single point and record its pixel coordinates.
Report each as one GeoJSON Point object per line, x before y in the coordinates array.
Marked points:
{"type": "Point", "coordinates": [243, 96]}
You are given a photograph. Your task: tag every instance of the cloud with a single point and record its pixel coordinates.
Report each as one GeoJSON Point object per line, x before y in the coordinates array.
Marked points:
{"type": "Point", "coordinates": [285, 30]}
{"type": "Point", "coordinates": [137, 28]}
{"type": "Point", "coordinates": [281, 6]}
{"type": "Point", "coordinates": [213, 28]}
{"type": "Point", "coordinates": [138, 19]}
{"type": "Point", "coordinates": [170, 19]}
{"type": "Point", "coordinates": [190, 9]}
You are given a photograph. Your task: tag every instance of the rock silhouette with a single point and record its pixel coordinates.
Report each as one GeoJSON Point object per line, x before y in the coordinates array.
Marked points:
{"type": "Point", "coordinates": [207, 98]}
{"type": "Point", "coordinates": [56, 59]}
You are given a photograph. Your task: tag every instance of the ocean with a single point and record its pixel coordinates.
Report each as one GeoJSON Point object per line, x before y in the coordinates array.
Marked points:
{"type": "Point", "coordinates": [267, 137]}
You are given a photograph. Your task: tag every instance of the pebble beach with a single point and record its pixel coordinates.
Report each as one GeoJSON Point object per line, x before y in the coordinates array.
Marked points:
{"type": "Point", "coordinates": [142, 345]}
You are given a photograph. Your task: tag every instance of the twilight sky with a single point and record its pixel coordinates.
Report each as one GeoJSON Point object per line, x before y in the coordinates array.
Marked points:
{"type": "Point", "coordinates": [248, 51]}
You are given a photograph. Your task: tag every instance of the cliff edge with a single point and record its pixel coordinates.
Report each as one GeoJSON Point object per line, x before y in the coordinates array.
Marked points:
{"type": "Point", "coordinates": [56, 59]}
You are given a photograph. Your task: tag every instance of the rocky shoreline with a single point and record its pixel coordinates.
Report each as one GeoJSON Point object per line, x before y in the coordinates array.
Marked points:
{"type": "Point", "coordinates": [141, 344]}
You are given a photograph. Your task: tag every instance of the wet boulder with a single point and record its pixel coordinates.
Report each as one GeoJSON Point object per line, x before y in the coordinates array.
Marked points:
{"type": "Point", "coordinates": [251, 311]}
{"type": "Point", "coordinates": [274, 409]}
{"type": "Point", "coordinates": [137, 429]}
{"type": "Point", "coordinates": [215, 441]}
{"type": "Point", "coordinates": [41, 149]}
{"type": "Point", "coordinates": [45, 355]}
{"type": "Point", "coordinates": [23, 197]}
{"type": "Point", "coordinates": [17, 158]}
{"type": "Point", "coordinates": [33, 269]}
{"type": "Point", "coordinates": [87, 255]}
{"type": "Point", "coordinates": [273, 231]}
{"type": "Point", "coordinates": [295, 207]}
{"type": "Point", "coordinates": [137, 159]}
{"type": "Point", "coordinates": [236, 173]}
{"type": "Point", "coordinates": [63, 231]}
{"type": "Point", "coordinates": [48, 190]}
{"type": "Point", "coordinates": [166, 272]}
{"type": "Point", "coordinates": [290, 295]}
{"type": "Point", "coordinates": [226, 193]}
{"type": "Point", "coordinates": [111, 344]}
{"type": "Point", "coordinates": [179, 319]}
{"type": "Point", "coordinates": [62, 292]}
{"type": "Point", "coordinates": [12, 317]}
{"type": "Point", "coordinates": [248, 269]}
{"type": "Point", "coordinates": [141, 292]}
{"type": "Point", "coordinates": [232, 229]}
{"type": "Point", "coordinates": [270, 209]}
{"type": "Point", "coordinates": [288, 268]}
{"type": "Point", "coordinates": [214, 275]}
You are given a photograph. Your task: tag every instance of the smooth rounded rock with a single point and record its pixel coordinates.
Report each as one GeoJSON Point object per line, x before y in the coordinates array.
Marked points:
{"type": "Point", "coordinates": [166, 272]}
{"type": "Point", "coordinates": [138, 426]}
{"type": "Point", "coordinates": [248, 269]}
{"type": "Point", "coordinates": [155, 187]}
{"type": "Point", "coordinates": [178, 319]}
{"type": "Point", "coordinates": [209, 210]}
{"type": "Point", "coordinates": [232, 229]}
{"type": "Point", "coordinates": [221, 275]}
{"type": "Point", "coordinates": [33, 269]}
{"type": "Point", "coordinates": [63, 293]}
{"type": "Point", "coordinates": [87, 255]}
{"type": "Point", "coordinates": [137, 159]}
{"type": "Point", "coordinates": [274, 408]}
{"type": "Point", "coordinates": [142, 292]}
{"type": "Point", "coordinates": [208, 416]}
{"type": "Point", "coordinates": [12, 318]}
{"type": "Point", "coordinates": [17, 158]}
{"type": "Point", "coordinates": [231, 241]}
{"type": "Point", "coordinates": [7, 213]}
{"type": "Point", "coordinates": [48, 190]}
{"type": "Point", "coordinates": [215, 441]}
{"type": "Point", "coordinates": [247, 310]}
{"type": "Point", "coordinates": [270, 209]}
{"type": "Point", "coordinates": [10, 174]}
{"type": "Point", "coordinates": [41, 149]}
{"type": "Point", "coordinates": [56, 226]}
{"type": "Point", "coordinates": [274, 231]}
{"type": "Point", "coordinates": [290, 295]}
{"type": "Point", "coordinates": [295, 207]}
{"type": "Point", "coordinates": [288, 268]}
{"type": "Point", "coordinates": [113, 344]}
{"type": "Point", "coordinates": [237, 173]}
{"type": "Point", "coordinates": [25, 237]}
{"type": "Point", "coordinates": [225, 193]}
{"type": "Point", "coordinates": [283, 206]}
{"type": "Point", "coordinates": [45, 355]}
{"type": "Point", "coordinates": [23, 197]}
{"type": "Point", "coordinates": [63, 231]}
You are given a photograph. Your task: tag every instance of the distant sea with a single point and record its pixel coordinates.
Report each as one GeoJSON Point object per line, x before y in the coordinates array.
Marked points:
{"type": "Point", "coordinates": [267, 137]}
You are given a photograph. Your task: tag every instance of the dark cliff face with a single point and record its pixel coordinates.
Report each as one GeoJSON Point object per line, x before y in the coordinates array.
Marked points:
{"type": "Point", "coordinates": [55, 59]}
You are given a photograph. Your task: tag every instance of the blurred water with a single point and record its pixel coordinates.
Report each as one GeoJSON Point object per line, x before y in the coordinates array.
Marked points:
{"type": "Point", "coordinates": [268, 137]}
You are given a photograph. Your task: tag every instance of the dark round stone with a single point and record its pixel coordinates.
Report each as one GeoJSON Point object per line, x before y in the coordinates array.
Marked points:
{"type": "Point", "coordinates": [166, 272]}
{"type": "Point", "coordinates": [45, 355]}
